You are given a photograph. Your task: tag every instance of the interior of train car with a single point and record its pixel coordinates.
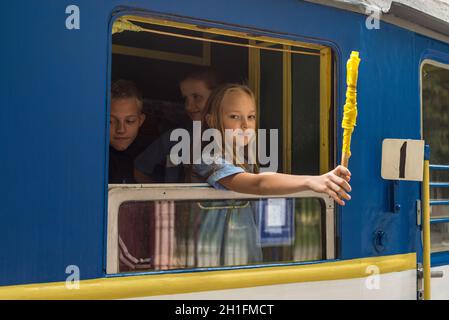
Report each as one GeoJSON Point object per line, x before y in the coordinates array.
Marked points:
{"type": "Point", "coordinates": [290, 81]}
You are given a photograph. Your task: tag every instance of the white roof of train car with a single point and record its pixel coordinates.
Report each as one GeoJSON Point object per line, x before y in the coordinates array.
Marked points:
{"type": "Point", "coordinates": [432, 15]}
{"type": "Point", "coordinates": [436, 8]}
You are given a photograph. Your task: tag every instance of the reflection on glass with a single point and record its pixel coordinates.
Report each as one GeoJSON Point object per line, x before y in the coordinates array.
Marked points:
{"type": "Point", "coordinates": [435, 94]}
{"type": "Point", "coordinates": [439, 237]}
{"type": "Point", "coordinates": [439, 193]}
{"type": "Point", "coordinates": [161, 235]}
{"type": "Point", "coordinates": [440, 211]}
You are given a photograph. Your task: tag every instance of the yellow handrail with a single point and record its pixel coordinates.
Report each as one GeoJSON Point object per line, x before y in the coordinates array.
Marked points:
{"type": "Point", "coordinates": [426, 229]}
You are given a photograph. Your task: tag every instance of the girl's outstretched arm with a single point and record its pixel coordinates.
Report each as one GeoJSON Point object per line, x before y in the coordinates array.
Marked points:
{"type": "Point", "coordinates": [334, 183]}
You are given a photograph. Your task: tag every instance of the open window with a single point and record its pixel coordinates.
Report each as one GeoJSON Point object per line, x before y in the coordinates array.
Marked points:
{"type": "Point", "coordinates": [178, 225]}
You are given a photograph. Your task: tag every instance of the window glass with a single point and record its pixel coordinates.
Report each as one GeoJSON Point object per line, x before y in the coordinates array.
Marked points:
{"type": "Point", "coordinates": [163, 235]}
{"type": "Point", "coordinates": [435, 113]}
{"type": "Point", "coordinates": [439, 237]}
{"type": "Point", "coordinates": [306, 114]}
{"type": "Point", "coordinates": [435, 95]}
{"type": "Point", "coordinates": [440, 211]}
{"type": "Point", "coordinates": [271, 96]}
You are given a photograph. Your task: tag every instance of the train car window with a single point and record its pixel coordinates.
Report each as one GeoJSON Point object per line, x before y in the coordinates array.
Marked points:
{"type": "Point", "coordinates": [159, 219]}
{"type": "Point", "coordinates": [435, 117]}
{"type": "Point", "coordinates": [435, 113]}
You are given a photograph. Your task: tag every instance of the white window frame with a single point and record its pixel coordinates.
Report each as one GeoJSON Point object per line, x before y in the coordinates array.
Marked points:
{"type": "Point", "coordinates": [118, 194]}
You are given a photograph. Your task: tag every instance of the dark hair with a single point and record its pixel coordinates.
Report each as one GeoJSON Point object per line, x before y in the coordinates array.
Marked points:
{"type": "Point", "coordinates": [122, 89]}
{"type": "Point", "coordinates": [206, 74]}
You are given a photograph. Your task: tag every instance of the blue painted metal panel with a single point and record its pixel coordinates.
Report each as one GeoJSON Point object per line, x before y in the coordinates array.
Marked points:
{"type": "Point", "coordinates": [439, 220]}
{"type": "Point", "coordinates": [439, 259]}
{"type": "Point", "coordinates": [53, 88]}
{"type": "Point", "coordinates": [439, 202]}
{"type": "Point", "coordinates": [438, 167]}
{"type": "Point", "coordinates": [439, 184]}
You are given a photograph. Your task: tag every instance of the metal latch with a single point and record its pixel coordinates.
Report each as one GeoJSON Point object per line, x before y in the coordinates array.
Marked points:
{"type": "Point", "coordinates": [418, 213]}
{"type": "Point", "coordinates": [420, 274]}
{"type": "Point", "coordinates": [437, 274]}
{"type": "Point", "coordinates": [433, 274]}
{"type": "Point", "coordinates": [420, 281]}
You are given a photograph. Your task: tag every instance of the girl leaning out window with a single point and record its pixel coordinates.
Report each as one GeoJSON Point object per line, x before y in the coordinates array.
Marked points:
{"type": "Point", "coordinates": [231, 112]}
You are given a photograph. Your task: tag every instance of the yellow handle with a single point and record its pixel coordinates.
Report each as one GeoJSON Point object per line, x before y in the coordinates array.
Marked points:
{"type": "Point", "coordinates": [350, 108]}
{"type": "Point", "coordinates": [426, 230]}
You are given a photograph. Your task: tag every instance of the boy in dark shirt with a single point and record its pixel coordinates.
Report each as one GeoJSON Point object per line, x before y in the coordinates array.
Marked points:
{"type": "Point", "coordinates": [125, 121]}
{"type": "Point", "coordinates": [124, 146]}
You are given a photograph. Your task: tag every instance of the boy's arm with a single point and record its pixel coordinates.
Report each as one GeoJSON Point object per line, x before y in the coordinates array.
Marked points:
{"type": "Point", "coordinates": [141, 177]}
{"type": "Point", "coordinates": [155, 154]}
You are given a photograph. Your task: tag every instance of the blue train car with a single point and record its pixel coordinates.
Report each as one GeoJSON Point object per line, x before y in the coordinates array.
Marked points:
{"type": "Point", "coordinates": [63, 221]}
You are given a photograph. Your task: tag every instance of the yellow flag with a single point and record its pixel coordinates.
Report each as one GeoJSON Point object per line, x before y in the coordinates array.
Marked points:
{"type": "Point", "coordinates": [350, 108]}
